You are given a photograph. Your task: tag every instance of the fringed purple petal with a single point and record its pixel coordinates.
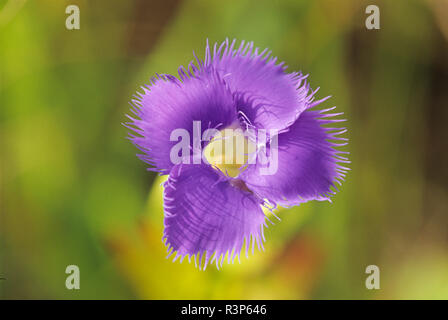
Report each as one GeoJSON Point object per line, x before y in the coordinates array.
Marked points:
{"type": "Point", "coordinates": [168, 104]}
{"type": "Point", "coordinates": [207, 216]}
{"type": "Point", "coordinates": [267, 96]}
{"type": "Point", "coordinates": [308, 163]}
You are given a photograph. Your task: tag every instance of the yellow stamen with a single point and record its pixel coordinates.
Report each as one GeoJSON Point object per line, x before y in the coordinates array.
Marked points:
{"type": "Point", "coordinates": [229, 151]}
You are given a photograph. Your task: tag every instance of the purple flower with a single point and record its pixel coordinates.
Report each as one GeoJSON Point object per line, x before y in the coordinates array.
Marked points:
{"type": "Point", "coordinates": [208, 213]}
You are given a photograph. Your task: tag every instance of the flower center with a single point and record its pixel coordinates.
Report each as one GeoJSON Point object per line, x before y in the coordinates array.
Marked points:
{"type": "Point", "coordinates": [229, 150]}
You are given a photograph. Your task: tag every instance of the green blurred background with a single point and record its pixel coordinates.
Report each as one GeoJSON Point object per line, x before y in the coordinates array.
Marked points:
{"type": "Point", "coordinates": [73, 192]}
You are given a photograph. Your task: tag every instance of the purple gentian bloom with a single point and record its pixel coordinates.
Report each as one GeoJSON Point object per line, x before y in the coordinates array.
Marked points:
{"type": "Point", "coordinates": [209, 214]}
